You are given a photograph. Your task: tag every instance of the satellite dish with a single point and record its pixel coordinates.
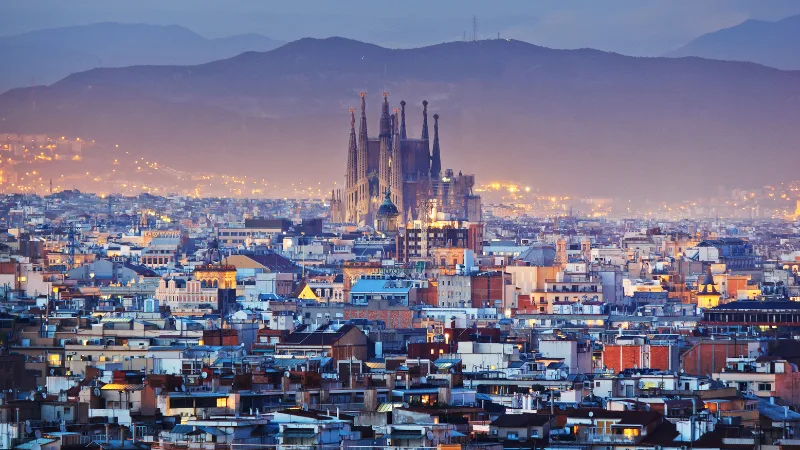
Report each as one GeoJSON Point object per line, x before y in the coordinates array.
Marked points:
{"type": "Point", "coordinates": [52, 371]}
{"type": "Point", "coordinates": [286, 374]}
{"type": "Point", "coordinates": [97, 392]}
{"type": "Point", "coordinates": [28, 428]}
{"type": "Point", "coordinates": [32, 396]}
{"type": "Point", "coordinates": [38, 434]}
{"type": "Point", "coordinates": [183, 388]}
{"type": "Point", "coordinates": [204, 375]}
{"type": "Point", "coordinates": [430, 435]}
{"type": "Point", "coordinates": [591, 413]}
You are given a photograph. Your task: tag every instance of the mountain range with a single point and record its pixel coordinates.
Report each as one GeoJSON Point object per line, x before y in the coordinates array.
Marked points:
{"type": "Point", "coordinates": [46, 56]}
{"type": "Point", "coordinates": [563, 121]}
{"type": "Point", "coordinates": [773, 44]}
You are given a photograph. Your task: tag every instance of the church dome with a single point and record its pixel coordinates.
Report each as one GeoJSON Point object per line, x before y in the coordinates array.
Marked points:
{"type": "Point", "coordinates": [388, 208]}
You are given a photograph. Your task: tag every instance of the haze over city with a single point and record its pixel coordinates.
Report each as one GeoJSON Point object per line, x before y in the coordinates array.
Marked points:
{"type": "Point", "coordinates": [591, 115]}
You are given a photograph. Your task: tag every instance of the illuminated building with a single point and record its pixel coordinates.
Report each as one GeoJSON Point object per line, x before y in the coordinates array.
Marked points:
{"type": "Point", "coordinates": [707, 295]}
{"type": "Point", "coordinates": [406, 167]}
{"type": "Point", "coordinates": [220, 277]}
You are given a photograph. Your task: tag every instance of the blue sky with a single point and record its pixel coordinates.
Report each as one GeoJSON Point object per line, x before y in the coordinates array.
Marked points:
{"type": "Point", "coordinates": [634, 27]}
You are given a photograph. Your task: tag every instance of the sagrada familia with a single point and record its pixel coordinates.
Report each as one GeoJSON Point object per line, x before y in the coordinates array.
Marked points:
{"type": "Point", "coordinates": [406, 171]}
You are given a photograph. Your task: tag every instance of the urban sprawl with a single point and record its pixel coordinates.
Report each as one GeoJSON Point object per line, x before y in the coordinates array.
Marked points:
{"type": "Point", "coordinates": [400, 312]}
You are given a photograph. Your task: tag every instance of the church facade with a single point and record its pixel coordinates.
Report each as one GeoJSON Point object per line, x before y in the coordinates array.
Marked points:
{"type": "Point", "coordinates": [408, 169]}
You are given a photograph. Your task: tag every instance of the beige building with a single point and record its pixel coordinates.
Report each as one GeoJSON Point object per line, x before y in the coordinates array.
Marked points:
{"type": "Point", "coordinates": [184, 296]}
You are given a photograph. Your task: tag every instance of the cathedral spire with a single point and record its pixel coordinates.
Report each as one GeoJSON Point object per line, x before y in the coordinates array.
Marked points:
{"type": "Point", "coordinates": [362, 141]}
{"type": "Point", "coordinates": [396, 169]}
{"type": "Point", "coordinates": [386, 121]}
{"type": "Point", "coordinates": [424, 119]}
{"type": "Point", "coordinates": [436, 158]}
{"type": "Point", "coordinates": [362, 127]}
{"type": "Point", "coordinates": [403, 120]}
{"type": "Point", "coordinates": [352, 152]}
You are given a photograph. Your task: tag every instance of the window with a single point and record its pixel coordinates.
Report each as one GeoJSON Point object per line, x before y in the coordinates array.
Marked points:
{"type": "Point", "coordinates": [764, 386]}
{"type": "Point", "coordinates": [512, 436]}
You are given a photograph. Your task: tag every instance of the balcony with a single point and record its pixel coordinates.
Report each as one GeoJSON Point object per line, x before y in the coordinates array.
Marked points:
{"type": "Point", "coordinates": [616, 436]}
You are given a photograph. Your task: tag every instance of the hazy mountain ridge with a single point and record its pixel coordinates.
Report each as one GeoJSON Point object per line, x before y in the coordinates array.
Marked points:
{"type": "Point", "coordinates": [773, 44]}
{"type": "Point", "coordinates": [46, 56]}
{"type": "Point", "coordinates": [567, 121]}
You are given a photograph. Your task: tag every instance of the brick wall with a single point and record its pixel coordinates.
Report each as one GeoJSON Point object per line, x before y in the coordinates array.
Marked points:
{"type": "Point", "coordinates": [620, 357]}
{"type": "Point", "coordinates": [709, 357]}
{"type": "Point", "coordinates": [659, 357]}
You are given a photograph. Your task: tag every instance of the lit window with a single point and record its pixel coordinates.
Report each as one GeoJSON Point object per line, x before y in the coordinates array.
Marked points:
{"type": "Point", "coordinates": [222, 402]}
{"type": "Point", "coordinates": [631, 432]}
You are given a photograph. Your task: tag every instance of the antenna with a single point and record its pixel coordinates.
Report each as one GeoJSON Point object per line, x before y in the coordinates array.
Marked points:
{"type": "Point", "coordinates": [474, 28]}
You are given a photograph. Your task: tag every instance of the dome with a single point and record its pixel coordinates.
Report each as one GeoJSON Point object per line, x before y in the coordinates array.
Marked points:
{"type": "Point", "coordinates": [388, 208]}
